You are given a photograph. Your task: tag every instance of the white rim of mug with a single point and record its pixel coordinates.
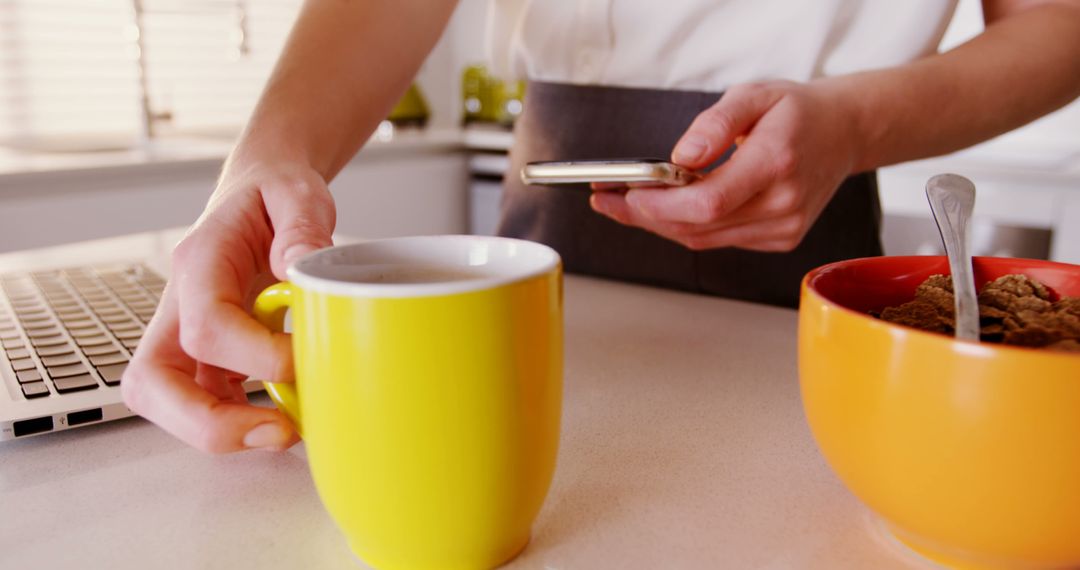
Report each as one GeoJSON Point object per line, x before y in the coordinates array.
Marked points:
{"type": "Point", "coordinates": [304, 280]}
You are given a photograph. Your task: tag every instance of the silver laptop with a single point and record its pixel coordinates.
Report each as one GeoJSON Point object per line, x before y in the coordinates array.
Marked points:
{"type": "Point", "coordinates": [66, 336]}
{"type": "Point", "coordinates": [71, 316]}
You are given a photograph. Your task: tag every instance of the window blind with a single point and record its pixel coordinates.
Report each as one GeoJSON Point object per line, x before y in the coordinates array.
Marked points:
{"type": "Point", "coordinates": [67, 73]}
{"type": "Point", "coordinates": [88, 74]}
{"type": "Point", "coordinates": [208, 60]}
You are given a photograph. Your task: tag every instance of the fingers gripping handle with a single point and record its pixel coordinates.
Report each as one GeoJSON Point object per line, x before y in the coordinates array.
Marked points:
{"type": "Point", "coordinates": [270, 308]}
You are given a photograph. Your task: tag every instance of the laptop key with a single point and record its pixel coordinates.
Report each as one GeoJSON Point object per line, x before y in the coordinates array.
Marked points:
{"type": "Point", "coordinates": [48, 341]}
{"type": "Point", "coordinates": [125, 326]}
{"type": "Point", "coordinates": [43, 332]}
{"type": "Point", "coordinates": [68, 370]}
{"type": "Point", "coordinates": [99, 349]}
{"type": "Point", "coordinates": [55, 350]}
{"type": "Point", "coordinates": [129, 334]}
{"type": "Point", "coordinates": [114, 317]}
{"type": "Point", "coordinates": [60, 360]}
{"type": "Point", "coordinates": [25, 376]}
{"type": "Point", "coordinates": [35, 317]}
{"type": "Point", "coordinates": [92, 340]}
{"type": "Point", "coordinates": [78, 323]}
{"type": "Point", "coordinates": [111, 358]}
{"type": "Point", "coordinates": [85, 332]}
{"type": "Point", "coordinates": [22, 364]}
{"type": "Point", "coordinates": [130, 343]}
{"type": "Point", "coordinates": [39, 324]}
{"type": "Point", "coordinates": [112, 373]}
{"type": "Point", "coordinates": [17, 353]}
{"type": "Point", "coordinates": [75, 383]}
{"type": "Point", "coordinates": [35, 390]}
{"type": "Point", "coordinates": [10, 343]}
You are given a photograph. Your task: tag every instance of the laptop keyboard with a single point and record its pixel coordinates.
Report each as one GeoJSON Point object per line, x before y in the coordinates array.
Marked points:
{"type": "Point", "coordinates": [75, 329]}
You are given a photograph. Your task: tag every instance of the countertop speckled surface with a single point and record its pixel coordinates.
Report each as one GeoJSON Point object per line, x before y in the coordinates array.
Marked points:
{"type": "Point", "coordinates": [683, 446]}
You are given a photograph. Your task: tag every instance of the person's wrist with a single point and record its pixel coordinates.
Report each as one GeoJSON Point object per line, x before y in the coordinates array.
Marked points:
{"type": "Point", "coordinates": [252, 154]}
{"type": "Point", "coordinates": [856, 119]}
{"type": "Point", "coordinates": [256, 162]}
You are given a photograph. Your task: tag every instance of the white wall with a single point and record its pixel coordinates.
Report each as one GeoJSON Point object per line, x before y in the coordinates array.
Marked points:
{"type": "Point", "coordinates": [1058, 129]}
{"type": "Point", "coordinates": [440, 77]}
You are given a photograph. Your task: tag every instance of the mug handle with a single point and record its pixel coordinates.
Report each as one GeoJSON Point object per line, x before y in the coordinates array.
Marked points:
{"type": "Point", "coordinates": [269, 309]}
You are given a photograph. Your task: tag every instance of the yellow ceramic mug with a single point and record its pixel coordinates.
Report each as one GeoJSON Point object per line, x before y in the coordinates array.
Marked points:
{"type": "Point", "coordinates": [428, 392]}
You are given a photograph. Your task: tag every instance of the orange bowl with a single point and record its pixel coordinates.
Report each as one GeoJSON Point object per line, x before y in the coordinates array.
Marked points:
{"type": "Point", "coordinates": [969, 452]}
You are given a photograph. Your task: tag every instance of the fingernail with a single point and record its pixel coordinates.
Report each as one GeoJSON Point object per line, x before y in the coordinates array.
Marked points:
{"type": "Point", "coordinates": [295, 252]}
{"type": "Point", "coordinates": [270, 435]}
{"type": "Point", "coordinates": [690, 149]}
{"type": "Point", "coordinates": [633, 199]}
{"type": "Point", "coordinates": [599, 203]}
{"type": "Point", "coordinates": [637, 199]}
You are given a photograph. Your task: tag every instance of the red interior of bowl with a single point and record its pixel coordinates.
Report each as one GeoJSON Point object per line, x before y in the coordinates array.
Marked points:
{"type": "Point", "coordinates": [873, 283]}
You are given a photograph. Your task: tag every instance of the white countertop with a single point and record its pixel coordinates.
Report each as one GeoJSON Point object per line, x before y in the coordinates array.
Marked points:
{"type": "Point", "coordinates": [172, 152]}
{"type": "Point", "coordinates": [683, 446]}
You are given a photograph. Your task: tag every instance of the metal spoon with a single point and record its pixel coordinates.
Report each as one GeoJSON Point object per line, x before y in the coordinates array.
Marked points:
{"type": "Point", "coordinates": [952, 198]}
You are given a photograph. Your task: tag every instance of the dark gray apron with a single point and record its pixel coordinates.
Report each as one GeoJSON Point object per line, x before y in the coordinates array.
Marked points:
{"type": "Point", "coordinates": [573, 122]}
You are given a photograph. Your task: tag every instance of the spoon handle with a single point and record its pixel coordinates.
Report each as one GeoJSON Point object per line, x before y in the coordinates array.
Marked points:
{"type": "Point", "coordinates": [952, 198]}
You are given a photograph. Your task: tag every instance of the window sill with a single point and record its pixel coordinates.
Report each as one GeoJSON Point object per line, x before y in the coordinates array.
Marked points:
{"type": "Point", "coordinates": [162, 156]}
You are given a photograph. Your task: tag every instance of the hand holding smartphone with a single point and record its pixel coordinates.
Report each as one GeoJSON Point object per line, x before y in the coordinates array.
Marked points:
{"type": "Point", "coordinates": [609, 174]}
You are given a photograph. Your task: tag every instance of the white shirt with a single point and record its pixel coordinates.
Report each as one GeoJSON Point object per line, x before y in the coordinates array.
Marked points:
{"type": "Point", "coordinates": [707, 44]}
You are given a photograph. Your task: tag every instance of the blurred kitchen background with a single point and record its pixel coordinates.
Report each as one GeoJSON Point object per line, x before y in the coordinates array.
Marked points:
{"type": "Point", "coordinates": [115, 116]}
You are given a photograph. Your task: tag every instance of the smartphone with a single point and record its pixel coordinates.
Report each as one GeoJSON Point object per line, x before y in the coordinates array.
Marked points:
{"type": "Point", "coordinates": [609, 174]}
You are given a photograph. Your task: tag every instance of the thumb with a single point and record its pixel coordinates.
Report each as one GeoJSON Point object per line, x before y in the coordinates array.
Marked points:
{"type": "Point", "coordinates": [714, 130]}
{"type": "Point", "coordinates": [302, 215]}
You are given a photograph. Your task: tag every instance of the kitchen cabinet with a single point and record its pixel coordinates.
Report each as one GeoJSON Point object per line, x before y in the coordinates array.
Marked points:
{"type": "Point", "coordinates": [1026, 195]}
